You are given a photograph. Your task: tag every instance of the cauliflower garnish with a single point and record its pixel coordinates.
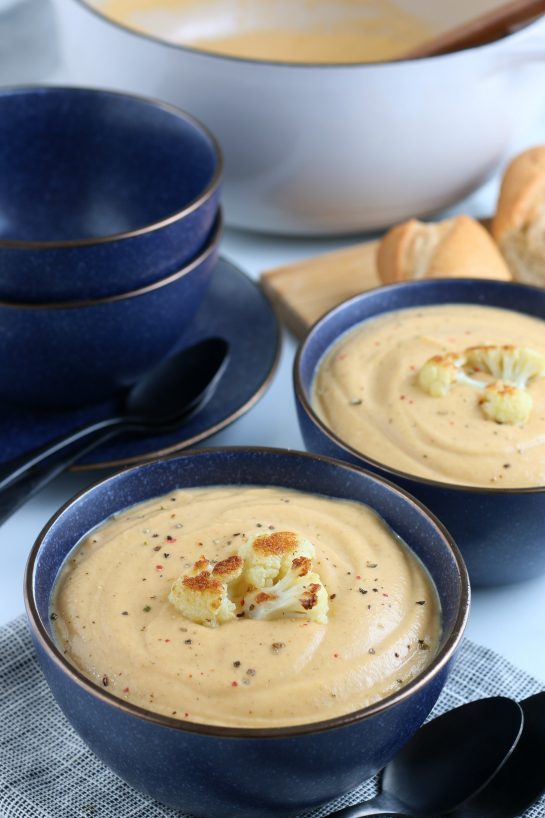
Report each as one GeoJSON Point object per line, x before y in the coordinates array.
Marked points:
{"type": "Point", "coordinates": [440, 372]}
{"type": "Point", "coordinates": [517, 366]}
{"type": "Point", "coordinates": [299, 593]}
{"type": "Point", "coordinates": [203, 595]}
{"type": "Point", "coordinates": [505, 403]}
{"type": "Point", "coordinates": [513, 368]}
{"type": "Point", "coordinates": [268, 557]}
{"type": "Point", "coordinates": [270, 578]}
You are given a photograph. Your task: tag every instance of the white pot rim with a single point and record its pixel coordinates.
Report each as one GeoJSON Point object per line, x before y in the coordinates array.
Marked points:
{"type": "Point", "coordinates": [307, 66]}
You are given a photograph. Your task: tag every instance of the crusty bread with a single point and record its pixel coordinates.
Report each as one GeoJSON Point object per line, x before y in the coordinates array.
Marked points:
{"type": "Point", "coordinates": [519, 223]}
{"type": "Point", "coordinates": [455, 248]}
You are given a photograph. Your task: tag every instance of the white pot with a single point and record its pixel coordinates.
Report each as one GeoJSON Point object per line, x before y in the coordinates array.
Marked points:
{"type": "Point", "coordinates": [329, 149]}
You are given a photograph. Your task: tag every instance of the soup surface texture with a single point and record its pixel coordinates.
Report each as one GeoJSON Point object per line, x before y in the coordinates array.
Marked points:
{"type": "Point", "coordinates": [298, 31]}
{"type": "Point", "coordinates": [366, 391]}
{"type": "Point", "coordinates": [113, 620]}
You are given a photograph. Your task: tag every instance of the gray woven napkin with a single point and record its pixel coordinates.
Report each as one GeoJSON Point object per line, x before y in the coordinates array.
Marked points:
{"type": "Point", "coordinates": [46, 771]}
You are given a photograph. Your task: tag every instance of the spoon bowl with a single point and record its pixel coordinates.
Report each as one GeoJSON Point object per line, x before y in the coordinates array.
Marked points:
{"type": "Point", "coordinates": [178, 386]}
{"type": "Point", "coordinates": [447, 762]}
{"type": "Point", "coordinates": [521, 781]}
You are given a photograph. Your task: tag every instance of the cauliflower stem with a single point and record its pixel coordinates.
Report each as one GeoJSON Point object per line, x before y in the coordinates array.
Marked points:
{"type": "Point", "coordinates": [299, 593]}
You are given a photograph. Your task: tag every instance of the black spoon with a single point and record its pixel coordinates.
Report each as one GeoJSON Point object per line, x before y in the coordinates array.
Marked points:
{"type": "Point", "coordinates": [521, 781]}
{"type": "Point", "coordinates": [447, 761]}
{"type": "Point", "coordinates": [159, 402]}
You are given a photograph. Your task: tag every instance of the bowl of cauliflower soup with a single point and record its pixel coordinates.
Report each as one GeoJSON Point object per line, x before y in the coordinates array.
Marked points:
{"type": "Point", "coordinates": [267, 604]}
{"type": "Point", "coordinates": [440, 386]}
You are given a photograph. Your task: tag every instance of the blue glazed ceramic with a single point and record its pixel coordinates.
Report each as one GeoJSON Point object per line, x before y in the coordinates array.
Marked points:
{"type": "Point", "coordinates": [251, 328]}
{"type": "Point", "coordinates": [61, 355]}
{"type": "Point", "coordinates": [499, 531]}
{"type": "Point", "coordinates": [101, 193]}
{"type": "Point", "coordinates": [225, 772]}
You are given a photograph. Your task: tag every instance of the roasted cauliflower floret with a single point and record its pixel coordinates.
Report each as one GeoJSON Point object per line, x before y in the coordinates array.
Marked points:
{"type": "Point", "coordinates": [506, 403]}
{"type": "Point", "coordinates": [439, 372]}
{"type": "Point", "coordinates": [268, 556]}
{"type": "Point", "coordinates": [299, 593]}
{"type": "Point", "coordinates": [202, 595]}
{"type": "Point", "coordinates": [271, 577]}
{"type": "Point", "coordinates": [513, 365]}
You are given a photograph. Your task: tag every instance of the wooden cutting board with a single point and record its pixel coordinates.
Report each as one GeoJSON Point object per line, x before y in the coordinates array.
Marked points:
{"type": "Point", "coordinates": [306, 290]}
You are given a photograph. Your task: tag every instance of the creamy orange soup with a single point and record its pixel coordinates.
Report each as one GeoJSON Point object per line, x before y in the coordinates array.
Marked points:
{"type": "Point", "coordinates": [312, 31]}
{"type": "Point", "coordinates": [113, 620]}
{"type": "Point", "coordinates": [366, 391]}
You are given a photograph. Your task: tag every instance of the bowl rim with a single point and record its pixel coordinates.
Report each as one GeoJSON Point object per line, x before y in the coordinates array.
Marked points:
{"type": "Point", "coordinates": [85, 4]}
{"type": "Point", "coordinates": [438, 663]}
{"type": "Point", "coordinates": [211, 246]}
{"type": "Point", "coordinates": [151, 102]}
{"type": "Point", "coordinates": [366, 461]}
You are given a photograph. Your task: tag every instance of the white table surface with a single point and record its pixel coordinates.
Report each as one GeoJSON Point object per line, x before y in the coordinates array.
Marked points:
{"type": "Point", "coordinates": [510, 620]}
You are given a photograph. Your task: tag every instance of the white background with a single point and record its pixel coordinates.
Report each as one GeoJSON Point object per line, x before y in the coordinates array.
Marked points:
{"type": "Point", "coordinates": [510, 620]}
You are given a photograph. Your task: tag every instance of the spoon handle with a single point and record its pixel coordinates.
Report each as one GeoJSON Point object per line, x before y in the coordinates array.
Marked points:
{"type": "Point", "coordinates": [15, 469]}
{"type": "Point", "coordinates": [380, 805]}
{"type": "Point", "coordinates": [23, 477]}
{"type": "Point", "coordinates": [491, 25]}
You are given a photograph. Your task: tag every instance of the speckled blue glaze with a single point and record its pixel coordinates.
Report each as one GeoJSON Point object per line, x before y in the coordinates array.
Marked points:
{"type": "Point", "coordinates": [101, 192]}
{"type": "Point", "coordinates": [84, 352]}
{"type": "Point", "coordinates": [219, 772]}
{"type": "Point", "coordinates": [251, 328]}
{"type": "Point", "coordinates": [499, 531]}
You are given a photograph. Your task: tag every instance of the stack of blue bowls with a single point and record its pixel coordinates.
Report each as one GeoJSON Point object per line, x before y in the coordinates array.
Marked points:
{"type": "Point", "coordinates": [109, 233]}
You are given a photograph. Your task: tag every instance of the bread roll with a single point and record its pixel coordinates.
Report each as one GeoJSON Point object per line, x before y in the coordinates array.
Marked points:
{"type": "Point", "coordinates": [519, 223]}
{"type": "Point", "coordinates": [455, 248]}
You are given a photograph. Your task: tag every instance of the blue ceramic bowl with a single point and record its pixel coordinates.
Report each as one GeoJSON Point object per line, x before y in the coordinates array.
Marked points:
{"type": "Point", "coordinates": [225, 772]}
{"type": "Point", "coordinates": [101, 193]}
{"type": "Point", "coordinates": [72, 354]}
{"type": "Point", "coordinates": [498, 531]}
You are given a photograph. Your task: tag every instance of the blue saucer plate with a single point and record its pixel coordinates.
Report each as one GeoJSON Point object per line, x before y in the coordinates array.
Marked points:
{"type": "Point", "coordinates": [234, 308]}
